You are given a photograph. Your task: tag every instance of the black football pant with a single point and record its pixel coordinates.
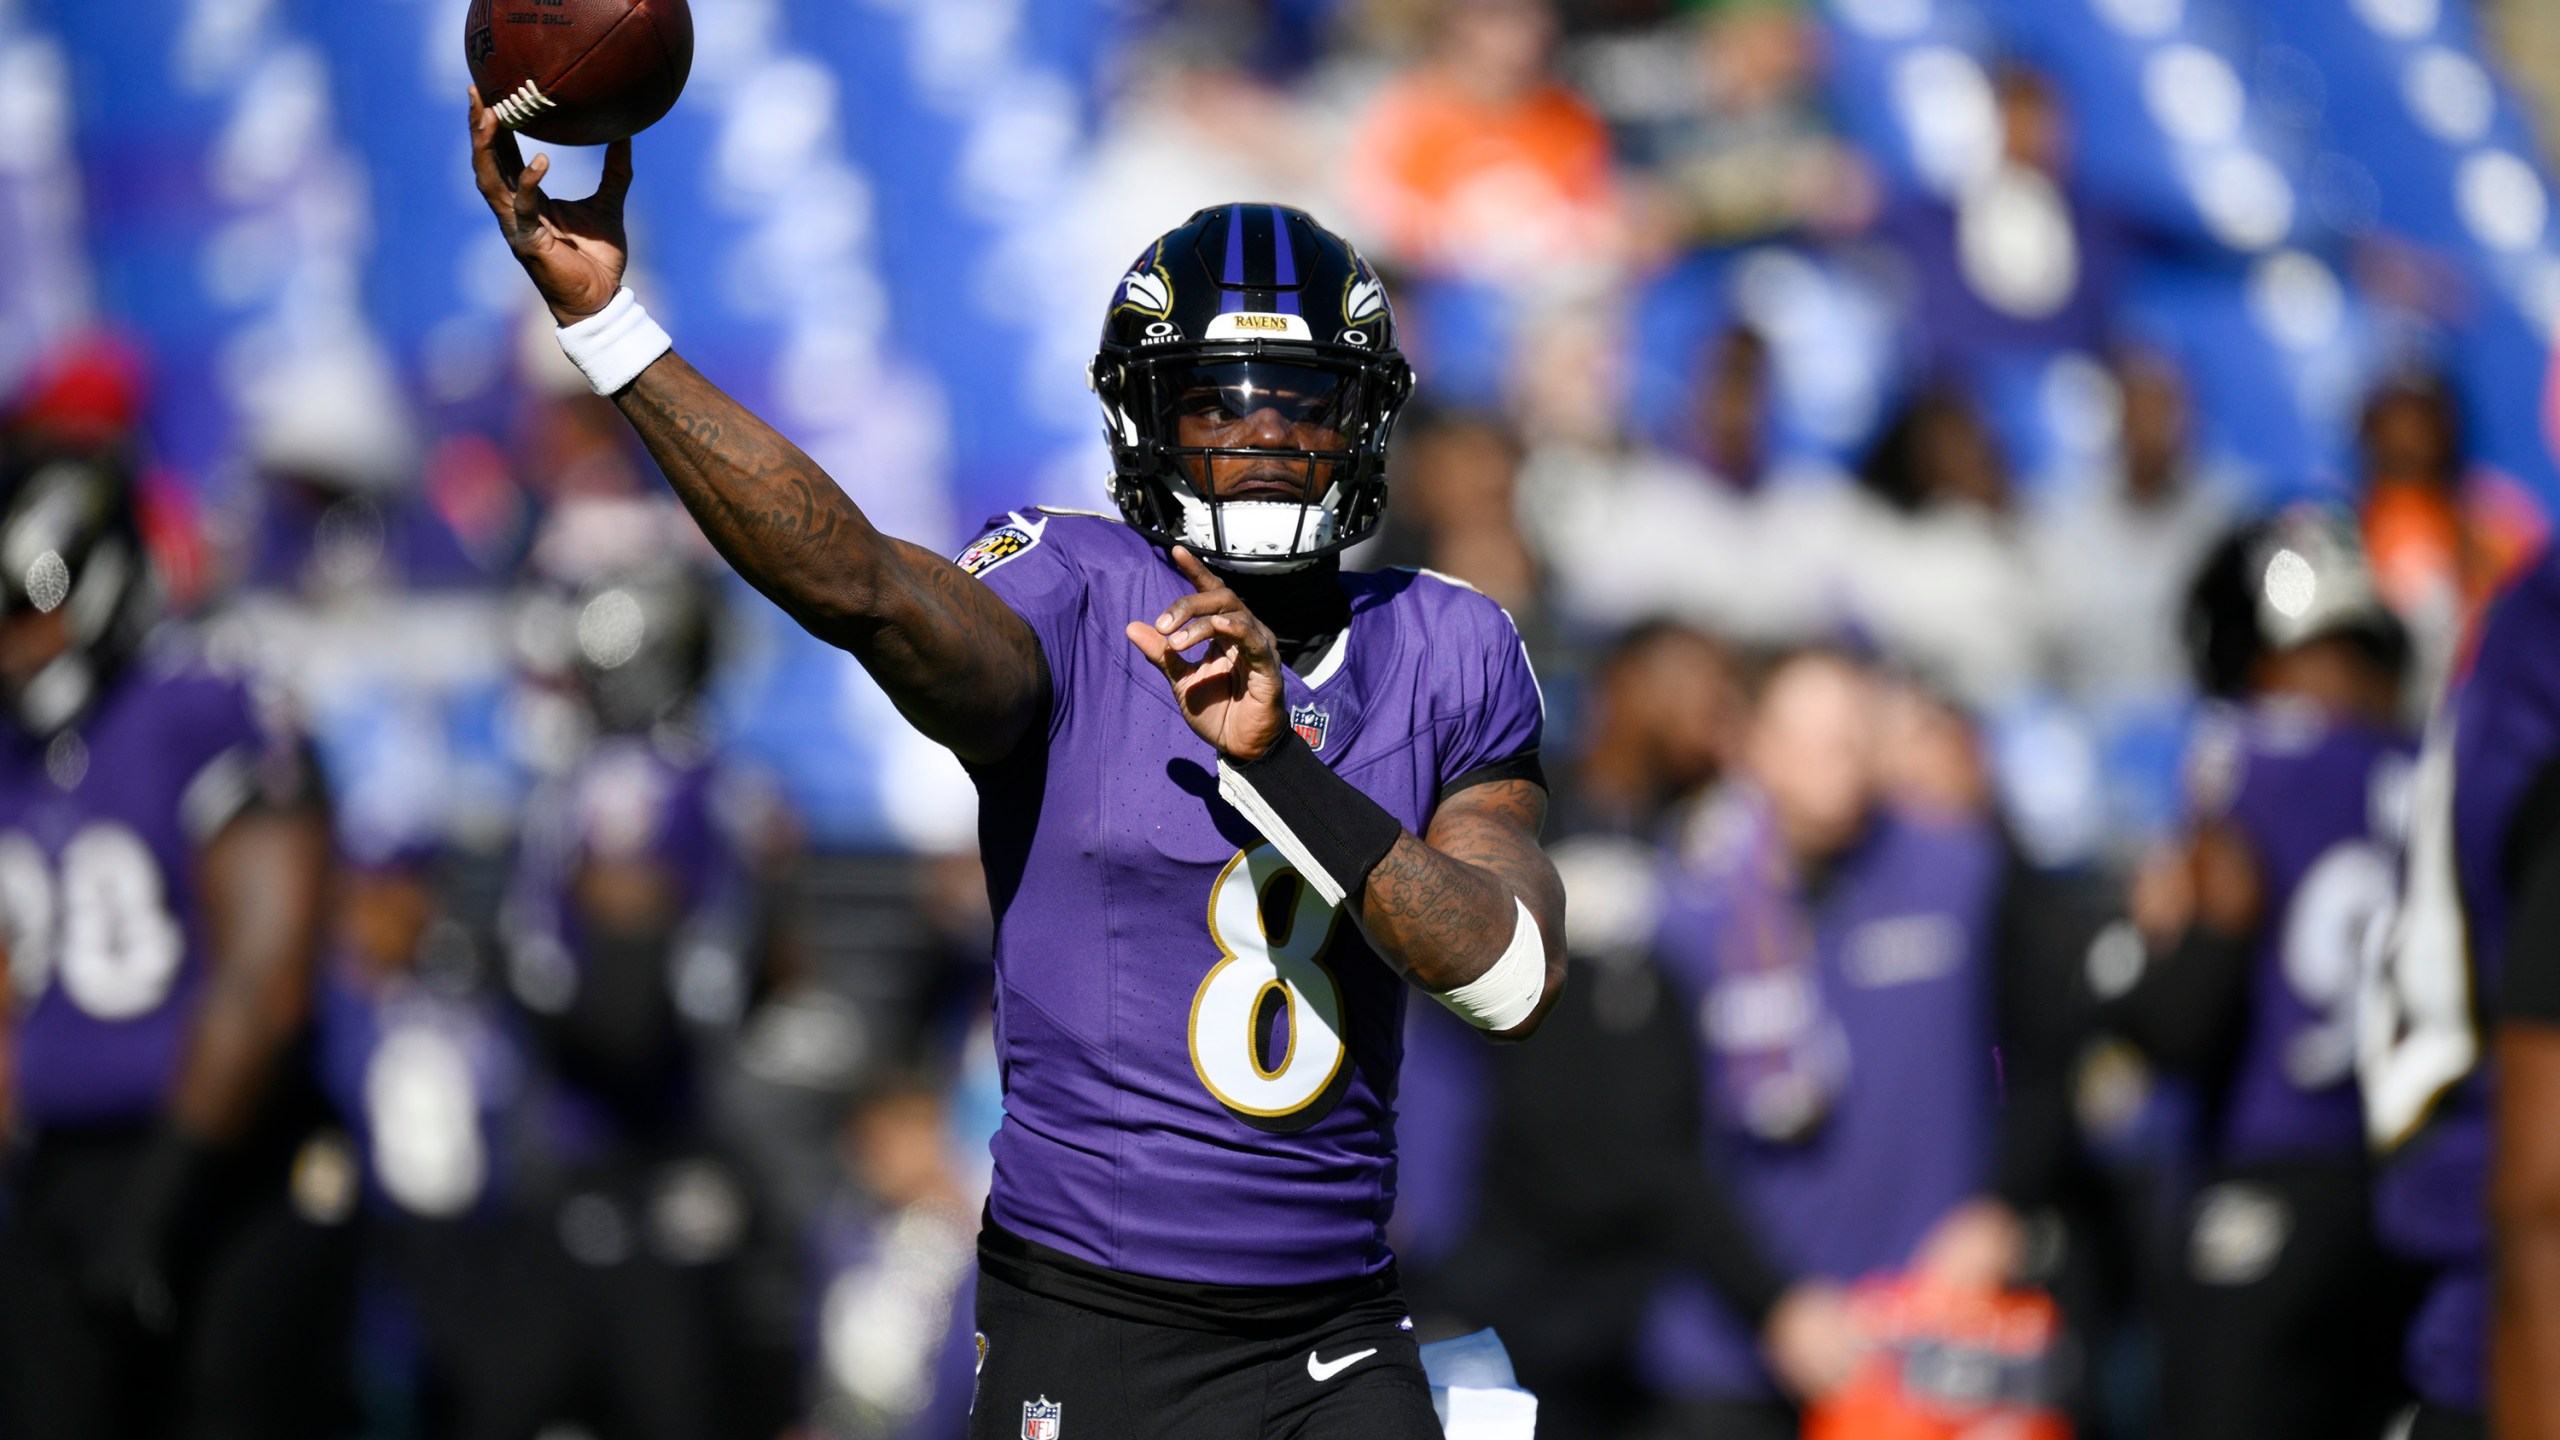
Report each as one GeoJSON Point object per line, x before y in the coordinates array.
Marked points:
{"type": "Point", "coordinates": [257, 1350]}
{"type": "Point", "coordinates": [518, 1335]}
{"type": "Point", "coordinates": [2283, 1317]}
{"type": "Point", "coordinates": [1720, 1420]}
{"type": "Point", "coordinates": [1355, 1376]}
{"type": "Point", "coordinates": [2427, 1422]}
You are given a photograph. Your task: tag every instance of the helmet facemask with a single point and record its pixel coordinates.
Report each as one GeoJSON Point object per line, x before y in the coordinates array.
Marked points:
{"type": "Point", "coordinates": [1257, 461]}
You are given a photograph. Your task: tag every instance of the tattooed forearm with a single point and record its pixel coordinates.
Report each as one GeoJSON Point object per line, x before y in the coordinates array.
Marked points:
{"type": "Point", "coordinates": [961, 666]}
{"type": "Point", "coordinates": [1440, 910]}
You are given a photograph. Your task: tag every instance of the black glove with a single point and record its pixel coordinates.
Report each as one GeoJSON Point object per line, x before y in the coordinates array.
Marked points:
{"type": "Point", "coordinates": [129, 1273]}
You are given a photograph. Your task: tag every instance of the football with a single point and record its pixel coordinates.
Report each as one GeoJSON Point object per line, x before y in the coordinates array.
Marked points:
{"type": "Point", "coordinates": [579, 72]}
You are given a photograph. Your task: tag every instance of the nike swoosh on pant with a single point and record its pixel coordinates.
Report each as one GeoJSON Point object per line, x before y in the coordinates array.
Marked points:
{"type": "Point", "coordinates": [1322, 1370]}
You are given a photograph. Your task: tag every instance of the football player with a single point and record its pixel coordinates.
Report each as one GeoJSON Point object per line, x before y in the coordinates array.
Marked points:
{"type": "Point", "coordinates": [171, 1256]}
{"type": "Point", "coordinates": [1840, 954]}
{"type": "Point", "coordinates": [1563, 1157]}
{"type": "Point", "coordinates": [2506, 840]}
{"type": "Point", "coordinates": [626, 929]}
{"type": "Point", "coordinates": [2472, 1169]}
{"type": "Point", "coordinates": [2281, 1309]}
{"type": "Point", "coordinates": [1232, 801]}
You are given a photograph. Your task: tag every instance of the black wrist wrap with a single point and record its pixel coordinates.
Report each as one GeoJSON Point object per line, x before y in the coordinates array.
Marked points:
{"type": "Point", "coordinates": [1334, 834]}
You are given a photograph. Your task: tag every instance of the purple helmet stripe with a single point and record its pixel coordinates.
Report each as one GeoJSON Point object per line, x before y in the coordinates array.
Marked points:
{"type": "Point", "coordinates": [1234, 276]}
{"type": "Point", "coordinates": [1230, 289]}
{"type": "Point", "coordinates": [1284, 262]}
{"type": "Point", "coordinates": [1284, 256]}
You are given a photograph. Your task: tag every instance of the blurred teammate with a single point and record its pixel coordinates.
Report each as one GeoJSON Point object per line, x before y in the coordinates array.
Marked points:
{"type": "Point", "coordinates": [1839, 955]}
{"type": "Point", "coordinates": [1185, 1234]}
{"type": "Point", "coordinates": [417, 1055]}
{"type": "Point", "coordinates": [627, 932]}
{"type": "Point", "coordinates": [2505, 734]}
{"type": "Point", "coordinates": [895, 1357]}
{"type": "Point", "coordinates": [172, 1260]}
{"type": "Point", "coordinates": [1567, 1157]}
{"type": "Point", "coordinates": [2472, 1179]}
{"type": "Point", "coordinates": [2280, 1309]}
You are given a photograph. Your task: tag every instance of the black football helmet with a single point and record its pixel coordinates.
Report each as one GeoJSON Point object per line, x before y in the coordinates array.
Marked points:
{"type": "Point", "coordinates": [69, 544]}
{"type": "Point", "coordinates": [2294, 577]}
{"type": "Point", "coordinates": [1251, 336]}
{"type": "Point", "coordinates": [634, 643]}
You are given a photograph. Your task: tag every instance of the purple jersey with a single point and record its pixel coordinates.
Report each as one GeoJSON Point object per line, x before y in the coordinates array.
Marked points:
{"type": "Point", "coordinates": [894, 1336]}
{"type": "Point", "coordinates": [2322, 805]}
{"type": "Point", "coordinates": [2426, 1096]}
{"type": "Point", "coordinates": [630, 800]}
{"type": "Point", "coordinates": [423, 1080]}
{"type": "Point", "coordinates": [99, 827]}
{"type": "Point", "coordinates": [1902, 960]}
{"type": "Point", "coordinates": [1199, 1053]}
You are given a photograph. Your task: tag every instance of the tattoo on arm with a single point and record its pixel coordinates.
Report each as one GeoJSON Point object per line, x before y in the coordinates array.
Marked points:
{"type": "Point", "coordinates": [961, 666]}
{"type": "Point", "coordinates": [1440, 910]}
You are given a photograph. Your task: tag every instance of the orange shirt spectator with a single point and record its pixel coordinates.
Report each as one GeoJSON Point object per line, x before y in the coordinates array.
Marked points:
{"type": "Point", "coordinates": [1479, 163]}
{"type": "Point", "coordinates": [2443, 535]}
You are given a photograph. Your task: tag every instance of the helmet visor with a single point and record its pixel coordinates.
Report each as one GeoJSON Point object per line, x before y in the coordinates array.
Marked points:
{"type": "Point", "coordinates": [1257, 405]}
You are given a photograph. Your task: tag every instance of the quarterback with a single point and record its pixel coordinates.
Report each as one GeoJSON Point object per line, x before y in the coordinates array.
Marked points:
{"type": "Point", "coordinates": [1232, 802]}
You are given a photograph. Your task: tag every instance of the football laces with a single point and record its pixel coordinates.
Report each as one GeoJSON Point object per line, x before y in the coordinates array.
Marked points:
{"type": "Point", "coordinates": [520, 108]}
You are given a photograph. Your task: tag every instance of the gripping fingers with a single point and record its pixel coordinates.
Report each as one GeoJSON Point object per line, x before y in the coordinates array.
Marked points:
{"type": "Point", "coordinates": [1193, 570]}
{"type": "Point", "coordinates": [1230, 625]}
{"type": "Point", "coordinates": [528, 187]}
{"type": "Point", "coordinates": [1216, 669]}
{"type": "Point", "coordinates": [617, 175]}
{"type": "Point", "coordinates": [1190, 607]}
{"type": "Point", "coordinates": [1159, 654]}
{"type": "Point", "coordinates": [497, 165]}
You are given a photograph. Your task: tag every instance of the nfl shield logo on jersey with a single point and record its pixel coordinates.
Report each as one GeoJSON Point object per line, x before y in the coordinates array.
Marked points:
{"type": "Point", "coordinates": [1042, 1419]}
{"type": "Point", "coordinates": [1309, 721]}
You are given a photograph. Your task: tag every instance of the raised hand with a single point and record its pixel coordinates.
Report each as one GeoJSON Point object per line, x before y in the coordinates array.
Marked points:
{"type": "Point", "coordinates": [1231, 696]}
{"type": "Point", "coordinates": [573, 249]}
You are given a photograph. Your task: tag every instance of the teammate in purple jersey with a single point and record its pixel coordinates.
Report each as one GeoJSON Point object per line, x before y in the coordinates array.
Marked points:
{"type": "Point", "coordinates": [1200, 750]}
{"type": "Point", "coordinates": [1839, 954]}
{"type": "Point", "coordinates": [2471, 1178]}
{"type": "Point", "coordinates": [2281, 1312]}
{"type": "Point", "coordinates": [2506, 839]}
{"type": "Point", "coordinates": [172, 1254]}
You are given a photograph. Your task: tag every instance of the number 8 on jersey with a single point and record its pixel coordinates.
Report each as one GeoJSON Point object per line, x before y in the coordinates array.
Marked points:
{"type": "Point", "coordinates": [1271, 991]}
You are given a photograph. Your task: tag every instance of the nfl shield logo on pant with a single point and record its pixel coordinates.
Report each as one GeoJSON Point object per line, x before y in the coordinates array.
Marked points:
{"type": "Point", "coordinates": [1041, 1419]}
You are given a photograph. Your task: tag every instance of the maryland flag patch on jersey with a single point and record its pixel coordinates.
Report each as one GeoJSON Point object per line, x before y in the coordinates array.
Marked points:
{"type": "Point", "coordinates": [1002, 543]}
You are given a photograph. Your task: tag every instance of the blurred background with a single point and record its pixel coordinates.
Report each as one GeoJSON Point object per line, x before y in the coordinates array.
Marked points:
{"type": "Point", "coordinates": [1951, 333]}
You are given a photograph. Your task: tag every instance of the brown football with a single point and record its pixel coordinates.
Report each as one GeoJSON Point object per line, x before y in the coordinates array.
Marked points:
{"type": "Point", "coordinates": [579, 72]}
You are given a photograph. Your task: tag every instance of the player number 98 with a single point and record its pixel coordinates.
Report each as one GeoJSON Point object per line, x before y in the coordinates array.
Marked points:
{"type": "Point", "coordinates": [101, 925]}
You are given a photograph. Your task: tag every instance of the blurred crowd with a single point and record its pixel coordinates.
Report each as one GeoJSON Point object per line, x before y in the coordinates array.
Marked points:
{"type": "Point", "coordinates": [611, 1104]}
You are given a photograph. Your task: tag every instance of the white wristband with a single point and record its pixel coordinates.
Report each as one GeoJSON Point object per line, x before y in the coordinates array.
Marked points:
{"type": "Point", "coordinates": [612, 346]}
{"type": "Point", "coordinates": [1509, 990]}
